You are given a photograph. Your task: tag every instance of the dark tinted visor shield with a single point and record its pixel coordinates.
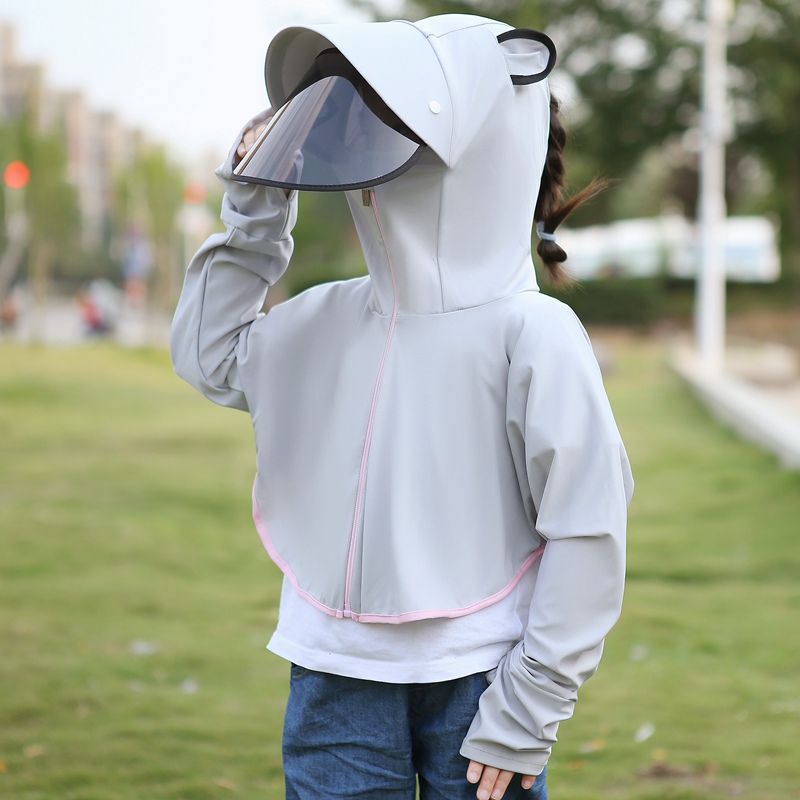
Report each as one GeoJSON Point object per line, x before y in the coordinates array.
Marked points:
{"type": "Point", "coordinates": [331, 135]}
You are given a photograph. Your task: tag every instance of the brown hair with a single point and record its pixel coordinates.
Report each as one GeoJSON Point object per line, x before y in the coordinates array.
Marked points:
{"type": "Point", "coordinates": [550, 211]}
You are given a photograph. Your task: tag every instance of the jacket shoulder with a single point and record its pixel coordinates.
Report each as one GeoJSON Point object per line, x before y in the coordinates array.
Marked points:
{"type": "Point", "coordinates": [536, 319]}
{"type": "Point", "coordinates": [539, 307]}
{"type": "Point", "coordinates": [322, 298]}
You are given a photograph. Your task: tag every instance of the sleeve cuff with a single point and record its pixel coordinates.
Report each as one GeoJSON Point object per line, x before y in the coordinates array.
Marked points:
{"type": "Point", "coordinates": [506, 759]}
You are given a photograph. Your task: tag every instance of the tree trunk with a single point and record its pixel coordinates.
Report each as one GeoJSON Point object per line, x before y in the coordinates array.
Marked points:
{"type": "Point", "coordinates": [42, 258]}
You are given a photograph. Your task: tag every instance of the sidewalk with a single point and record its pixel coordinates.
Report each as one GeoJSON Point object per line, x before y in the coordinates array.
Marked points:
{"type": "Point", "coordinates": [59, 322]}
{"type": "Point", "coordinates": [758, 395]}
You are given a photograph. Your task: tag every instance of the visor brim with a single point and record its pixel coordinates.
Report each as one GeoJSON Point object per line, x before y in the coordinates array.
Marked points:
{"type": "Point", "coordinates": [327, 138]}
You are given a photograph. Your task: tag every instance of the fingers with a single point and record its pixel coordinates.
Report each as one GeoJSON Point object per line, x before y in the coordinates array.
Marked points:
{"type": "Point", "coordinates": [249, 138]}
{"type": "Point", "coordinates": [528, 781]}
{"type": "Point", "coordinates": [493, 781]}
{"type": "Point", "coordinates": [474, 771]}
{"type": "Point", "coordinates": [254, 130]}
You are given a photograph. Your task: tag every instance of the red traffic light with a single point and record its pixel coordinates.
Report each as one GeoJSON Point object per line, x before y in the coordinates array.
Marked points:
{"type": "Point", "coordinates": [194, 192]}
{"type": "Point", "coordinates": [16, 175]}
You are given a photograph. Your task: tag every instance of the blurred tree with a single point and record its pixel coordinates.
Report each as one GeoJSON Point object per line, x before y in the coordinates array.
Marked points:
{"type": "Point", "coordinates": [148, 199]}
{"type": "Point", "coordinates": [630, 75]}
{"type": "Point", "coordinates": [51, 204]}
{"type": "Point", "coordinates": [766, 95]}
{"type": "Point", "coordinates": [327, 244]}
{"type": "Point", "coordinates": [627, 75]}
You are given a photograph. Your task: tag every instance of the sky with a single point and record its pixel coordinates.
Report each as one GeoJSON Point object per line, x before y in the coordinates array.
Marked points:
{"type": "Point", "coordinates": [188, 72]}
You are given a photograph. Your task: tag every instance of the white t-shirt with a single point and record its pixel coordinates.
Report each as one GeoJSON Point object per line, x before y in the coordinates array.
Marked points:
{"type": "Point", "coordinates": [424, 651]}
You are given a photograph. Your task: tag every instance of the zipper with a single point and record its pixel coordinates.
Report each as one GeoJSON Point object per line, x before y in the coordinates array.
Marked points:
{"type": "Point", "coordinates": [362, 475]}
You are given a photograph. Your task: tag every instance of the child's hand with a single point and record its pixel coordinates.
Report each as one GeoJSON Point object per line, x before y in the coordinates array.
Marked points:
{"type": "Point", "coordinates": [257, 126]}
{"type": "Point", "coordinates": [493, 781]}
{"type": "Point", "coordinates": [250, 135]}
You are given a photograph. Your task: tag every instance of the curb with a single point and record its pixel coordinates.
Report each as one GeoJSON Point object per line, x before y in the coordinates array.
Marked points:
{"type": "Point", "coordinates": [743, 407]}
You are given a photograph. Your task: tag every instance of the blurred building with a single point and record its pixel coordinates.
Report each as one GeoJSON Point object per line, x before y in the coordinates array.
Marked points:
{"type": "Point", "coordinates": [97, 144]}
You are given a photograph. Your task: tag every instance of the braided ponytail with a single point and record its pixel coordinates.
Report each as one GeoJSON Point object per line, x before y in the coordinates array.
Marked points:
{"type": "Point", "coordinates": [550, 212]}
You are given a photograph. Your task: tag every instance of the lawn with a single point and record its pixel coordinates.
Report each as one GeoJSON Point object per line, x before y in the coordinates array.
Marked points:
{"type": "Point", "coordinates": [136, 599]}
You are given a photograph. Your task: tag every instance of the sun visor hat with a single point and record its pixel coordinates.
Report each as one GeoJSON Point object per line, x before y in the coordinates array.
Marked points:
{"type": "Point", "coordinates": [334, 133]}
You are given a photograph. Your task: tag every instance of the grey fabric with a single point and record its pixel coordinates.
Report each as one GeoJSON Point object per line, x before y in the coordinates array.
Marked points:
{"type": "Point", "coordinates": [423, 431]}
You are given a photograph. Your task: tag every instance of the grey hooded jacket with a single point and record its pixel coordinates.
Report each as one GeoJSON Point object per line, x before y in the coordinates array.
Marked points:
{"type": "Point", "coordinates": [428, 433]}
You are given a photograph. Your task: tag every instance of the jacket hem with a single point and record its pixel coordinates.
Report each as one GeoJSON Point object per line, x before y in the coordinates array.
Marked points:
{"type": "Point", "coordinates": [408, 616]}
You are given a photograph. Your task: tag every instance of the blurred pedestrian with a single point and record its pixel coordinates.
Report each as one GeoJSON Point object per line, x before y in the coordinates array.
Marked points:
{"type": "Point", "coordinates": [99, 304]}
{"type": "Point", "coordinates": [9, 312]}
{"type": "Point", "coordinates": [136, 267]}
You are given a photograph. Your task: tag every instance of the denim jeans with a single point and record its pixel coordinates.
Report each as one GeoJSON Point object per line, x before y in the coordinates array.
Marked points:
{"type": "Point", "coordinates": [350, 738]}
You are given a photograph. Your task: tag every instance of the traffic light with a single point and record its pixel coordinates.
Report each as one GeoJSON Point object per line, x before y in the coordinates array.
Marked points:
{"type": "Point", "coordinates": [16, 175]}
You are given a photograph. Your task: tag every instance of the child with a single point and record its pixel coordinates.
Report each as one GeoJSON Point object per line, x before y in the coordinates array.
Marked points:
{"type": "Point", "coordinates": [440, 477]}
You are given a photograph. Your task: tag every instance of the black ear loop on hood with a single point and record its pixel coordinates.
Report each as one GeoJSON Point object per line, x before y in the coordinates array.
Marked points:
{"type": "Point", "coordinates": [536, 36]}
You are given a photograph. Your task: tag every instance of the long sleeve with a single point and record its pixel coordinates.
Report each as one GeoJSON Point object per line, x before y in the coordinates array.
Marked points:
{"type": "Point", "coordinates": [226, 284]}
{"type": "Point", "coordinates": [570, 457]}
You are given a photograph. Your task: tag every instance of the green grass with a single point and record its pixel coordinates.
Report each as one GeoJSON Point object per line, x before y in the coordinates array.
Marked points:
{"type": "Point", "coordinates": [124, 511]}
{"type": "Point", "coordinates": [124, 516]}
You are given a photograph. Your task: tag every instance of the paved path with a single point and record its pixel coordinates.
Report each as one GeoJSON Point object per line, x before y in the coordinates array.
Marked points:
{"type": "Point", "coordinates": [59, 322]}
{"type": "Point", "coordinates": [761, 408]}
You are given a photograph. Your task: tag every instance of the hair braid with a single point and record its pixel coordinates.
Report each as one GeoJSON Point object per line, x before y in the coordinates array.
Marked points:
{"type": "Point", "coordinates": [550, 211]}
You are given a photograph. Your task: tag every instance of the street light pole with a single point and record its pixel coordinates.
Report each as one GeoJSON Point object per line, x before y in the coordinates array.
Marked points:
{"type": "Point", "coordinates": [710, 293]}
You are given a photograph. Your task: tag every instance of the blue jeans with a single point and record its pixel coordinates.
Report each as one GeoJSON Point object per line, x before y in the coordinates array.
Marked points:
{"type": "Point", "coordinates": [349, 738]}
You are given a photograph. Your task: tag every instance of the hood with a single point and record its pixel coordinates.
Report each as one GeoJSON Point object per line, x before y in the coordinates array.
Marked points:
{"type": "Point", "coordinates": [455, 230]}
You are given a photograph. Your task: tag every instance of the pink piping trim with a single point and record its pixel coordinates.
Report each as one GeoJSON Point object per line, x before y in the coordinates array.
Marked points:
{"type": "Point", "coordinates": [410, 616]}
{"type": "Point", "coordinates": [282, 565]}
{"type": "Point", "coordinates": [362, 475]}
{"type": "Point", "coordinates": [449, 613]}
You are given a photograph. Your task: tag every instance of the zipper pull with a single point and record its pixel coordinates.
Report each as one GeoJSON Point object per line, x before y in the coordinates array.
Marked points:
{"type": "Point", "coordinates": [365, 198]}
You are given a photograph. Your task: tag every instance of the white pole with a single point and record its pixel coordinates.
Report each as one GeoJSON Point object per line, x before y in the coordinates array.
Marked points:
{"type": "Point", "coordinates": [710, 294]}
